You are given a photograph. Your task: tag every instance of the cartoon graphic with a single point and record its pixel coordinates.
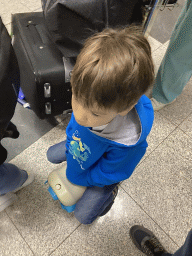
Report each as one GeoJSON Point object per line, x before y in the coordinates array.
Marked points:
{"type": "Point", "coordinates": [80, 151]}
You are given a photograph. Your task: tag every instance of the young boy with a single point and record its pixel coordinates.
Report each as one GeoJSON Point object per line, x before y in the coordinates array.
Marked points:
{"type": "Point", "coordinates": [106, 136]}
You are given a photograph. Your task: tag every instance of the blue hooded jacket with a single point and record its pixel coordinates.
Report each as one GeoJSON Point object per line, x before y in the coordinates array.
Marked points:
{"type": "Point", "coordinates": [96, 161]}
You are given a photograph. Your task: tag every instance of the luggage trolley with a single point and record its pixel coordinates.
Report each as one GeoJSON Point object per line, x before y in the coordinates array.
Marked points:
{"type": "Point", "coordinates": [151, 10]}
{"type": "Point", "coordinates": [46, 64]}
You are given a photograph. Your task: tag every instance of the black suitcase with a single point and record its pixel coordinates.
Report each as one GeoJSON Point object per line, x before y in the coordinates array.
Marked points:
{"type": "Point", "coordinates": [44, 70]}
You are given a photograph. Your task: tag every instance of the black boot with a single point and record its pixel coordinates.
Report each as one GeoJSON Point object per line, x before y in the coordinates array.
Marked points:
{"type": "Point", "coordinates": [11, 131]}
{"type": "Point", "coordinates": [115, 191]}
{"type": "Point", "coordinates": [3, 154]}
{"type": "Point", "coordinates": [146, 242]}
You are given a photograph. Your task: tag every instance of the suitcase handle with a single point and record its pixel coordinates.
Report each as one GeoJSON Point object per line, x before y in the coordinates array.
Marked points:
{"type": "Point", "coordinates": [35, 34]}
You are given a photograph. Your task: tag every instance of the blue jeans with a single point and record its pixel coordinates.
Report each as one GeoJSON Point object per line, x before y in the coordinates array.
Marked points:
{"type": "Point", "coordinates": [176, 67]}
{"type": "Point", "coordinates": [94, 200]}
{"type": "Point", "coordinates": [11, 178]}
{"type": "Point", "coordinates": [185, 250]}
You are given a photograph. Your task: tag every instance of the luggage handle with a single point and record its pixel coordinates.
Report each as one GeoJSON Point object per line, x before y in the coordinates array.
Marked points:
{"type": "Point", "coordinates": [35, 34]}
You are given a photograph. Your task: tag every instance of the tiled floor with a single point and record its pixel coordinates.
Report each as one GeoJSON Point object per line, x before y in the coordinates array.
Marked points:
{"type": "Point", "coordinates": [158, 194]}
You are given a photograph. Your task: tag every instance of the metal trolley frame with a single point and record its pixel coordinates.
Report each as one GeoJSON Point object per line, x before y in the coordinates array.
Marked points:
{"type": "Point", "coordinates": [151, 9]}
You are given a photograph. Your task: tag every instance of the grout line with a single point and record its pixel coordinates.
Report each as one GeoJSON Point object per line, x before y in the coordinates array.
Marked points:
{"type": "Point", "coordinates": [19, 232]}
{"type": "Point", "coordinates": [150, 217]}
{"type": "Point", "coordinates": [156, 147]}
{"type": "Point", "coordinates": [161, 46]}
{"type": "Point", "coordinates": [60, 122]}
{"type": "Point", "coordinates": [30, 10]}
{"type": "Point", "coordinates": [185, 133]}
{"type": "Point", "coordinates": [176, 127]}
{"type": "Point", "coordinates": [65, 239]}
{"type": "Point", "coordinates": [38, 9]}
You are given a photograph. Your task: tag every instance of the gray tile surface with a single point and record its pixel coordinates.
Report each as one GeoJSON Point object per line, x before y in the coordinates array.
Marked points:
{"type": "Point", "coordinates": [179, 110]}
{"type": "Point", "coordinates": [161, 129]}
{"type": "Point", "coordinates": [165, 22]}
{"type": "Point", "coordinates": [30, 127]}
{"type": "Point", "coordinates": [9, 8]}
{"type": "Point", "coordinates": [109, 235]}
{"type": "Point", "coordinates": [39, 219]}
{"type": "Point", "coordinates": [186, 126]}
{"type": "Point", "coordinates": [158, 55]}
{"type": "Point", "coordinates": [157, 198]}
{"type": "Point", "coordinates": [154, 43]}
{"type": "Point", "coordinates": [161, 185]}
{"type": "Point", "coordinates": [11, 241]}
{"type": "Point", "coordinates": [32, 5]}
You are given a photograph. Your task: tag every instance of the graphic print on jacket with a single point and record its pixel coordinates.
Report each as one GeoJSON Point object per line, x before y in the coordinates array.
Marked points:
{"type": "Point", "coordinates": [80, 151]}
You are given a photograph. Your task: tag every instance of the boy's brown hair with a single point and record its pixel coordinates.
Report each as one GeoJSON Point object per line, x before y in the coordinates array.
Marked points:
{"type": "Point", "coordinates": [114, 69]}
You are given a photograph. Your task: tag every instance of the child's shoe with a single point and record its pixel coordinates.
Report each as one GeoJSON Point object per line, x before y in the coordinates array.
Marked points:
{"type": "Point", "coordinates": [115, 191]}
{"type": "Point", "coordinates": [158, 105]}
{"type": "Point", "coordinates": [146, 242]}
{"type": "Point", "coordinates": [30, 178]}
{"type": "Point", "coordinates": [6, 200]}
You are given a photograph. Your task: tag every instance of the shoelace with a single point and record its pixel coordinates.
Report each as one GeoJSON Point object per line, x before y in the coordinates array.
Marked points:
{"type": "Point", "coordinates": [152, 247]}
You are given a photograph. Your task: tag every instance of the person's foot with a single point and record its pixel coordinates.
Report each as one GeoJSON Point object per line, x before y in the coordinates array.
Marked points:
{"type": "Point", "coordinates": [146, 242]}
{"type": "Point", "coordinates": [11, 131]}
{"type": "Point", "coordinates": [10, 197]}
{"type": "Point", "coordinates": [30, 178]}
{"type": "Point", "coordinates": [6, 200]}
{"type": "Point", "coordinates": [158, 105]}
{"type": "Point", "coordinates": [115, 191]}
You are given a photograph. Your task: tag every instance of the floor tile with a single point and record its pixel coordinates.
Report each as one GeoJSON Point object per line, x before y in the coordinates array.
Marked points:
{"type": "Point", "coordinates": [160, 130]}
{"type": "Point", "coordinates": [186, 125]}
{"type": "Point", "coordinates": [158, 50]}
{"type": "Point", "coordinates": [162, 183]}
{"type": "Point", "coordinates": [154, 43]}
{"type": "Point", "coordinates": [40, 219]}
{"type": "Point", "coordinates": [158, 55]}
{"type": "Point", "coordinates": [8, 27]}
{"type": "Point", "coordinates": [11, 242]}
{"type": "Point", "coordinates": [109, 235]}
{"type": "Point", "coordinates": [32, 5]}
{"type": "Point", "coordinates": [30, 127]}
{"type": "Point", "coordinates": [179, 110]}
{"type": "Point", "coordinates": [165, 22]}
{"type": "Point", "coordinates": [166, 44]}
{"type": "Point", "coordinates": [38, 10]}
{"type": "Point", "coordinates": [11, 6]}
